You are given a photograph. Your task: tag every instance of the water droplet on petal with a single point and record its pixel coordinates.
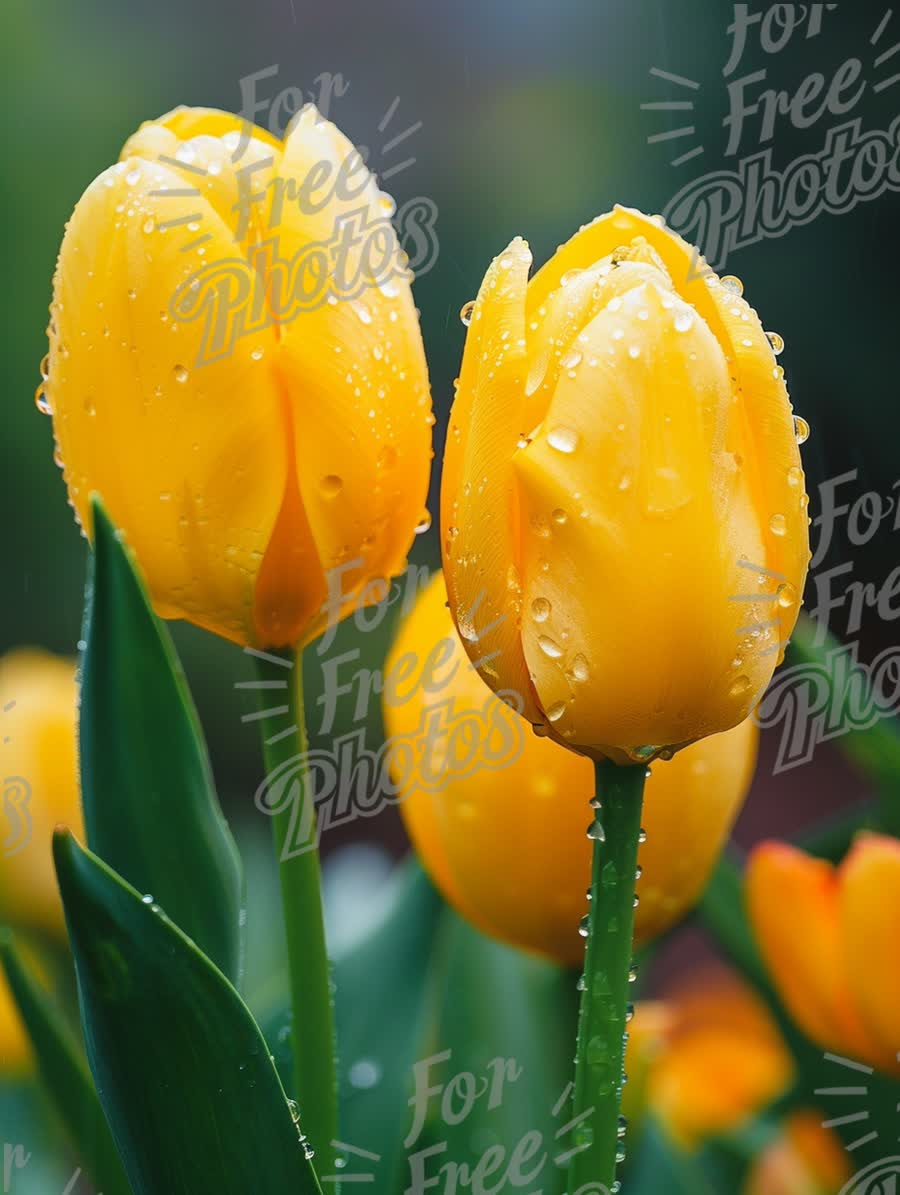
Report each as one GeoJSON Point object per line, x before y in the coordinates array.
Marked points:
{"type": "Point", "coordinates": [563, 439]}
{"type": "Point", "coordinates": [540, 609]}
{"type": "Point", "coordinates": [549, 647]}
{"type": "Point", "coordinates": [778, 524]}
{"type": "Point", "coordinates": [181, 374]}
{"type": "Point", "coordinates": [801, 429]}
{"type": "Point", "coordinates": [465, 312]}
{"type": "Point", "coordinates": [733, 283]}
{"type": "Point", "coordinates": [331, 485]}
{"type": "Point", "coordinates": [776, 341]}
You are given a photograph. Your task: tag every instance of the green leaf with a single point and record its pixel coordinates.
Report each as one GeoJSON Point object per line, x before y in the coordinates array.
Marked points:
{"type": "Point", "coordinates": [875, 749]}
{"type": "Point", "coordinates": [150, 807]}
{"type": "Point", "coordinates": [380, 990]}
{"type": "Point", "coordinates": [184, 1075]}
{"type": "Point", "coordinates": [509, 1020]}
{"type": "Point", "coordinates": [64, 1074]}
{"type": "Point", "coordinates": [441, 1000]}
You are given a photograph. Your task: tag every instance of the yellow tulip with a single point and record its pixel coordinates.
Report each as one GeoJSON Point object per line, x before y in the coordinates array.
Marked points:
{"type": "Point", "coordinates": [259, 428]}
{"type": "Point", "coordinates": [807, 1159]}
{"type": "Point", "coordinates": [623, 512]}
{"type": "Point", "coordinates": [829, 937]}
{"type": "Point", "coordinates": [710, 1055]}
{"type": "Point", "coordinates": [40, 783]}
{"type": "Point", "coordinates": [498, 815]}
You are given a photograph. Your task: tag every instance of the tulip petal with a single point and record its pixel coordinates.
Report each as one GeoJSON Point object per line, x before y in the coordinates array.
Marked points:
{"type": "Point", "coordinates": [870, 915]}
{"type": "Point", "coordinates": [629, 473]}
{"type": "Point", "coordinates": [795, 907]}
{"type": "Point", "coordinates": [478, 491]}
{"type": "Point", "coordinates": [763, 435]}
{"type": "Point", "coordinates": [351, 361]}
{"type": "Point", "coordinates": [168, 438]}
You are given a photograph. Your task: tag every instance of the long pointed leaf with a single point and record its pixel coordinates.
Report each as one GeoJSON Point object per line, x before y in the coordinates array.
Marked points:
{"type": "Point", "coordinates": [65, 1075]}
{"type": "Point", "coordinates": [184, 1075]}
{"type": "Point", "coordinates": [150, 808]}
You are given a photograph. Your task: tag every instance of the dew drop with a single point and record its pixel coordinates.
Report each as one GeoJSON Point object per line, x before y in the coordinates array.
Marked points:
{"type": "Point", "coordinates": [580, 670]}
{"type": "Point", "coordinates": [740, 686]}
{"type": "Point", "coordinates": [596, 833]}
{"type": "Point", "coordinates": [778, 524]}
{"type": "Point", "coordinates": [549, 647]}
{"type": "Point", "coordinates": [540, 609]}
{"type": "Point", "coordinates": [787, 595]}
{"type": "Point", "coordinates": [571, 359]}
{"type": "Point", "coordinates": [559, 515]}
{"type": "Point", "coordinates": [40, 401]}
{"type": "Point", "coordinates": [801, 429]}
{"type": "Point", "coordinates": [331, 485]}
{"type": "Point", "coordinates": [584, 926]}
{"type": "Point", "coordinates": [563, 439]}
{"type": "Point", "coordinates": [776, 341]}
{"type": "Point", "coordinates": [684, 320]}
{"type": "Point", "coordinates": [465, 312]}
{"type": "Point", "coordinates": [181, 374]}
{"type": "Point", "coordinates": [733, 283]}
{"type": "Point", "coordinates": [424, 523]}
{"type": "Point", "coordinates": [794, 476]}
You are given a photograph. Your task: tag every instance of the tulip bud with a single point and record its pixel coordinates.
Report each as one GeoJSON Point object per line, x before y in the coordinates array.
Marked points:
{"type": "Point", "coordinates": [40, 783]}
{"type": "Point", "coordinates": [236, 368]}
{"type": "Point", "coordinates": [829, 938]}
{"type": "Point", "coordinates": [488, 796]}
{"type": "Point", "coordinates": [623, 510]}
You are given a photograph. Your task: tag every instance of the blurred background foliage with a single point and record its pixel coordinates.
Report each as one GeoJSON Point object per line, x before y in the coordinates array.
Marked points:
{"type": "Point", "coordinates": [531, 124]}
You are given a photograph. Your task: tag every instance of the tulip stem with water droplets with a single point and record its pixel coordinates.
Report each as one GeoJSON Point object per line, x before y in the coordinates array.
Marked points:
{"type": "Point", "coordinates": [597, 1133]}
{"type": "Point", "coordinates": [312, 1026]}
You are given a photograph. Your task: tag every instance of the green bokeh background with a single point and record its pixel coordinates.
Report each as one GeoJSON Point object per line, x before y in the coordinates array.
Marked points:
{"type": "Point", "coordinates": [531, 124]}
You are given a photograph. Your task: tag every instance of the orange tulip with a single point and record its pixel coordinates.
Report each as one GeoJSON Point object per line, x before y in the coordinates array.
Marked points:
{"type": "Point", "coordinates": [236, 368]}
{"type": "Point", "coordinates": [40, 783]}
{"type": "Point", "coordinates": [622, 507]}
{"type": "Point", "coordinates": [829, 935]}
{"type": "Point", "coordinates": [498, 815]}
{"type": "Point", "coordinates": [806, 1160]}
{"type": "Point", "coordinates": [716, 1057]}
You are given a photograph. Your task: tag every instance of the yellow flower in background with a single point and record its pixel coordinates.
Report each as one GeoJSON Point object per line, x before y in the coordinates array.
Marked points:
{"type": "Point", "coordinates": [498, 816]}
{"type": "Point", "coordinates": [236, 368]}
{"type": "Point", "coordinates": [40, 783]}
{"type": "Point", "coordinates": [15, 1052]}
{"type": "Point", "coordinates": [710, 1055]}
{"type": "Point", "coordinates": [829, 936]}
{"type": "Point", "coordinates": [622, 512]}
{"type": "Point", "coordinates": [806, 1159]}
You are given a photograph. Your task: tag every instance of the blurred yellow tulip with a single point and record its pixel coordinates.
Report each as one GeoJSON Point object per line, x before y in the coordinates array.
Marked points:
{"type": "Point", "coordinates": [829, 938]}
{"type": "Point", "coordinates": [15, 1052]}
{"type": "Point", "coordinates": [40, 783]}
{"type": "Point", "coordinates": [236, 368]}
{"type": "Point", "coordinates": [807, 1159]}
{"type": "Point", "coordinates": [498, 815]}
{"type": "Point", "coordinates": [710, 1055]}
{"type": "Point", "coordinates": [622, 512]}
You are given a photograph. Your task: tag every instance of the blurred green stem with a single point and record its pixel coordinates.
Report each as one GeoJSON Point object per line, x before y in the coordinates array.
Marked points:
{"type": "Point", "coordinates": [296, 846]}
{"type": "Point", "coordinates": [608, 962]}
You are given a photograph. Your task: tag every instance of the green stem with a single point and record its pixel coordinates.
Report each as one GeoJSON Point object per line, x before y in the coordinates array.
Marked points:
{"type": "Point", "coordinates": [312, 1028]}
{"type": "Point", "coordinates": [604, 1002]}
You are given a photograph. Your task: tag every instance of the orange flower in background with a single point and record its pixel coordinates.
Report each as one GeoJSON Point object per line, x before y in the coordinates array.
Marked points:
{"type": "Point", "coordinates": [40, 783]}
{"type": "Point", "coordinates": [710, 1055]}
{"type": "Point", "coordinates": [829, 935]}
{"type": "Point", "coordinates": [498, 816]}
{"type": "Point", "coordinates": [241, 379]}
{"type": "Point", "coordinates": [622, 511]}
{"type": "Point", "coordinates": [806, 1160]}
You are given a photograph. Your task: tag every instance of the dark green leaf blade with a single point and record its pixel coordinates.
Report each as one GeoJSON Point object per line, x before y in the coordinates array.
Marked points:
{"type": "Point", "coordinates": [65, 1076]}
{"type": "Point", "coordinates": [150, 808]}
{"type": "Point", "coordinates": [380, 999]}
{"type": "Point", "coordinates": [192, 1097]}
